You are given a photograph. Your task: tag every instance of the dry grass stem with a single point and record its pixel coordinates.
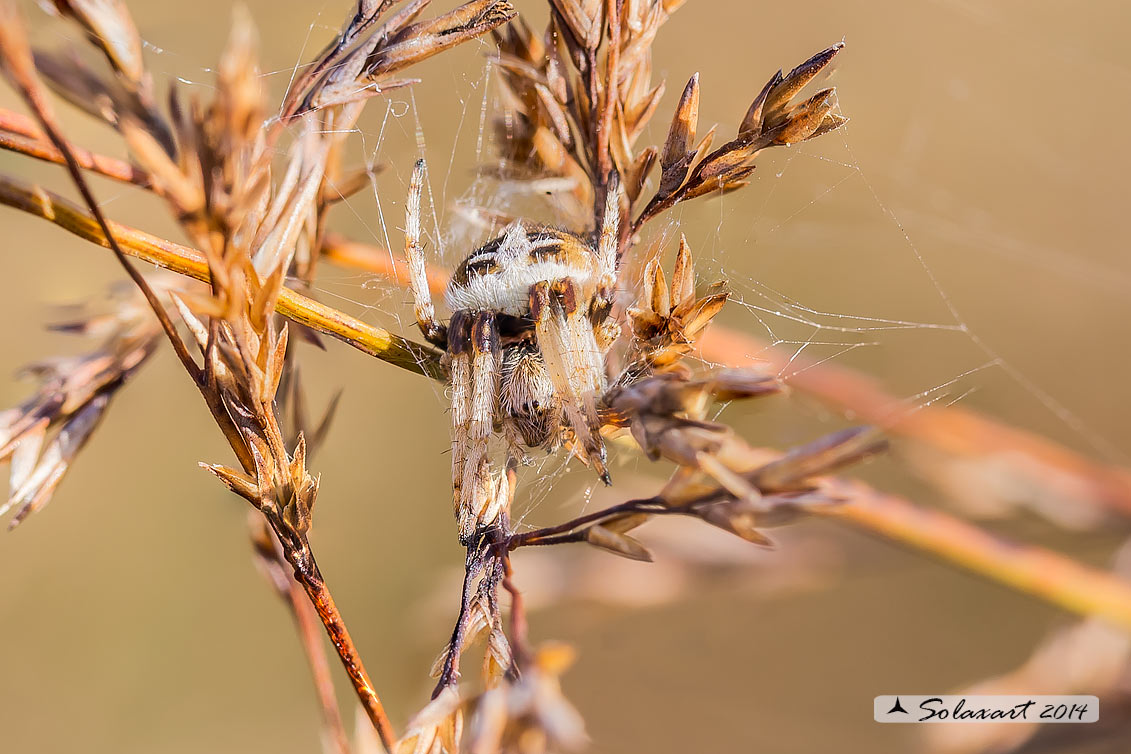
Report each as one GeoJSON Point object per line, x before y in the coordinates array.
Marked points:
{"type": "Point", "coordinates": [187, 261]}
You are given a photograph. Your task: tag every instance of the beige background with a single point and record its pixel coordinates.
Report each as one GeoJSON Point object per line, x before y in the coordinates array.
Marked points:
{"type": "Point", "coordinates": [987, 145]}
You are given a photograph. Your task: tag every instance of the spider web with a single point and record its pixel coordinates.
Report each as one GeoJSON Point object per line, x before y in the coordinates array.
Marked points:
{"type": "Point", "coordinates": [825, 260]}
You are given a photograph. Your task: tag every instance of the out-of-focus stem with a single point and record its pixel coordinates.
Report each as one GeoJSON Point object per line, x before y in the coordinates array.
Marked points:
{"type": "Point", "coordinates": [955, 431]}
{"type": "Point", "coordinates": [1027, 568]}
{"type": "Point", "coordinates": [17, 134]}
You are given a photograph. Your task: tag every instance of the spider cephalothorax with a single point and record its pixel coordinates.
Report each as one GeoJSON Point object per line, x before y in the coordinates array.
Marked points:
{"type": "Point", "coordinates": [526, 347]}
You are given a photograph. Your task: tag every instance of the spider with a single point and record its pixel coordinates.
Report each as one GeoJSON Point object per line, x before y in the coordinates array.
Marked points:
{"type": "Point", "coordinates": [526, 346]}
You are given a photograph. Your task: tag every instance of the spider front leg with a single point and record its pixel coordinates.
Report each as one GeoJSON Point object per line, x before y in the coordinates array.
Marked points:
{"type": "Point", "coordinates": [433, 331]}
{"type": "Point", "coordinates": [573, 359]}
{"type": "Point", "coordinates": [606, 328]}
{"type": "Point", "coordinates": [473, 343]}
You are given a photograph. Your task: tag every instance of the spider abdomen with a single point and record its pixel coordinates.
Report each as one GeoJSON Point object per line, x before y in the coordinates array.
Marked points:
{"type": "Point", "coordinates": [498, 275]}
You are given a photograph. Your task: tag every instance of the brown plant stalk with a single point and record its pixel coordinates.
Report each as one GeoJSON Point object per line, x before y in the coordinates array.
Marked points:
{"type": "Point", "coordinates": [20, 136]}
{"type": "Point", "coordinates": [1034, 570]}
{"type": "Point", "coordinates": [185, 260]}
{"type": "Point", "coordinates": [275, 568]}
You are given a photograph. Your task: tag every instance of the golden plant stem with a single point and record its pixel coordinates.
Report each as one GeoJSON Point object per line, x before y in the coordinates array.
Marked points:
{"type": "Point", "coordinates": [1034, 570]}
{"type": "Point", "coordinates": [184, 260]}
{"type": "Point", "coordinates": [323, 603]}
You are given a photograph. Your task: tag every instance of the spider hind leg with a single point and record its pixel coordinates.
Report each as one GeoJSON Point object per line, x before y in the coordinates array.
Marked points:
{"type": "Point", "coordinates": [573, 359]}
{"type": "Point", "coordinates": [475, 356]}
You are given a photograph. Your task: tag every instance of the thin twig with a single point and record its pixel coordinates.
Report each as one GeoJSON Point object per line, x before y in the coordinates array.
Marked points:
{"type": "Point", "coordinates": [520, 642]}
{"type": "Point", "coordinates": [14, 137]}
{"type": "Point", "coordinates": [319, 596]}
{"type": "Point", "coordinates": [270, 555]}
{"type": "Point", "coordinates": [309, 632]}
{"type": "Point", "coordinates": [374, 341]}
{"type": "Point", "coordinates": [449, 673]}
{"type": "Point", "coordinates": [603, 116]}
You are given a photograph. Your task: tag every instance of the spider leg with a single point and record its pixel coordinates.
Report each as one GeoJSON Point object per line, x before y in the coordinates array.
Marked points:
{"type": "Point", "coordinates": [475, 355]}
{"type": "Point", "coordinates": [459, 349]}
{"type": "Point", "coordinates": [608, 243]}
{"type": "Point", "coordinates": [609, 240]}
{"type": "Point", "coordinates": [418, 275]}
{"type": "Point", "coordinates": [573, 359]}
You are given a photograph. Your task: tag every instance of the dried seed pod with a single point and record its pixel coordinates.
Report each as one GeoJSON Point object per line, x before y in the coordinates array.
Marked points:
{"type": "Point", "coordinates": [677, 155]}
{"type": "Point", "coordinates": [528, 714]}
{"type": "Point", "coordinates": [739, 517]}
{"type": "Point", "coordinates": [618, 544]}
{"type": "Point", "coordinates": [583, 19]}
{"type": "Point", "coordinates": [824, 456]}
{"type": "Point", "coordinates": [666, 321]}
{"type": "Point", "coordinates": [436, 729]}
{"type": "Point", "coordinates": [771, 120]}
{"type": "Point", "coordinates": [420, 41]}
{"type": "Point", "coordinates": [42, 436]}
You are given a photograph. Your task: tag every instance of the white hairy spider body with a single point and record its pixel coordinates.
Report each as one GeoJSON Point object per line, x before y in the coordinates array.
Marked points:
{"type": "Point", "coordinates": [498, 276]}
{"type": "Point", "coordinates": [525, 345]}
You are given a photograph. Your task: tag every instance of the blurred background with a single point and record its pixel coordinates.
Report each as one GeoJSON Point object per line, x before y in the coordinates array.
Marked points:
{"type": "Point", "coordinates": [962, 239]}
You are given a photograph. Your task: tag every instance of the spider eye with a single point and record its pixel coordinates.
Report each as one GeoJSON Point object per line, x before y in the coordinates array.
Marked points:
{"type": "Point", "coordinates": [535, 405]}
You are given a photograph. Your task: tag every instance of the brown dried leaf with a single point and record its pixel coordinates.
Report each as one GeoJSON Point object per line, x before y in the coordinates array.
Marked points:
{"type": "Point", "coordinates": [436, 729]}
{"type": "Point", "coordinates": [637, 173]}
{"type": "Point", "coordinates": [40, 482]}
{"type": "Point", "coordinates": [618, 544]}
{"type": "Point", "coordinates": [807, 118]}
{"type": "Point", "coordinates": [423, 40]}
{"type": "Point", "coordinates": [656, 288]}
{"type": "Point", "coordinates": [778, 98]}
